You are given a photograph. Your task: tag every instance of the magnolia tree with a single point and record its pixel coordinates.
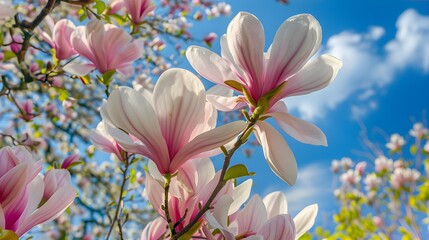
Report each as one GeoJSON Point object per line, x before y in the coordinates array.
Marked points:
{"type": "Point", "coordinates": [76, 77]}
{"type": "Point", "coordinates": [385, 198]}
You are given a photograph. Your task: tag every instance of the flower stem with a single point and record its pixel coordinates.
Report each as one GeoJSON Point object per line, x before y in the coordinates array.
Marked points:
{"type": "Point", "coordinates": [120, 200]}
{"type": "Point", "coordinates": [221, 183]}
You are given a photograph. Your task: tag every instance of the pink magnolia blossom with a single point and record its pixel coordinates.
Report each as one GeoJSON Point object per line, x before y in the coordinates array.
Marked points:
{"type": "Point", "coordinates": [418, 131]}
{"type": "Point", "coordinates": [27, 199]}
{"type": "Point", "coordinates": [404, 176]}
{"type": "Point", "coordinates": [383, 164]}
{"type": "Point", "coordinates": [283, 69]}
{"type": "Point", "coordinates": [263, 219]}
{"type": "Point", "coordinates": [192, 187]}
{"type": "Point", "coordinates": [102, 140]}
{"type": "Point", "coordinates": [396, 142]}
{"type": "Point", "coordinates": [138, 9]}
{"type": "Point", "coordinates": [70, 161]}
{"type": "Point", "coordinates": [61, 36]}
{"type": "Point", "coordinates": [350, 178]}
{"type": "Point", "coordinates": [172, 126]}
{"type": "Point", "coordinates": [107, 47]}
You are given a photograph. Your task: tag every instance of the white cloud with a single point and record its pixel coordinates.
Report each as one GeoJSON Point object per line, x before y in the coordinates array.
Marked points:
{"type": "Point", "coordinates": [367, 67]}
{"type": "Point", "coordinates": [313, 186]}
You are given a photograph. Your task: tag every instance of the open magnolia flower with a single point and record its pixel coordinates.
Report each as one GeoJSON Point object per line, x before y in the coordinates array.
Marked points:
{"type": "Point", "coordinates": [170, 127]}
{"type": "Point", "coordinates": [59, 38]}
{"type": "Point", "coordinates": [264, 79]}
{"type": "Point", "coordinates": [27, 199]}
{"type": "Point", "coordinates": [190, 189]}
{"type": "Point", "coordinates": [107, 46]}
{"type": "Point", "coordinates": [266, 219]}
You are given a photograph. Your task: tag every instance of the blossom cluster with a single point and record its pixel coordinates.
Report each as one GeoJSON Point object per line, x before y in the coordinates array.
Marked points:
{"type": "Point", "coordinates": [387, 196]}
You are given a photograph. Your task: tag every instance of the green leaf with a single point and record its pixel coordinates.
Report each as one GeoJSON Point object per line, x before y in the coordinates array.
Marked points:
{"type": "Point", "coordinates": [8, 55]}
{"type": "Point", "coordinates": [8, 235]}
{"type": "Point", "coordinates": [85, 79]}
{"type": "Point", "coordinates": [108, 76]}
{"type": "Point", "coordinates": [133, 177]}
{"type": "Point", "coordinates": [100, 6]}
{"type": "Point", "coordinates": [188, 235]}
{"type": "Point", "coordinates": [63, 94]}
{"type": "Point", "coordinates": [413, 149]}
{"type": "Point", "coordinates": [234, 84]}
{"type": "Point", "coordinates": [236, 171]}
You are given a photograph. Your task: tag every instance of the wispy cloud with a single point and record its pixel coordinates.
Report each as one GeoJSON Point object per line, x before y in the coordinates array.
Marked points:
{"type": "Point", "coordinates": [313, 186]}
{"type": "Point", "coordinates": [368, 65]}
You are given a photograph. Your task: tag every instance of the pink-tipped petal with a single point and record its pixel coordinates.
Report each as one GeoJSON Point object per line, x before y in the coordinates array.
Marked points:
{"type": "Point", "coordinates": [305, 220]}
{"type": "Point", "coordinates": [277, 152]}
{"type": "Point", "coordinates": [10, 193]}
{"type": "Point", "coordinates": [155, 229]}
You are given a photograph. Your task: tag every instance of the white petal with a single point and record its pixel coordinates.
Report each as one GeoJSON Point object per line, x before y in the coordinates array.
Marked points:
{"type": "Point", "coordinates": [304, 220]}
{"type": "Point", "coordinates": [277, 152]}
{"type": "Point", "coordinates": [297, 39]}
{"type": "Point", "coordinates": [253, 216]}
{"type": "Point", "coordinates": [220, 211]}
{"type": "Point", "coordinates": [226, 104]}
{"type": "Point", "coordinates": [276, 204]}
{"type": "Point", "coordinates": [299, 129]}
{"type": "Point", "coordinates": [313, 76]}
{"type": "Point", "coordinates": [220, 91]}
{"type": "Point", "coordinates": [210, 65]}
{"type": "Point", "coordinates": [279, 227]}
{"type": "Point", "coordinates": [240, 195]}
{"type": "Point", "coordinates": [78, 69]}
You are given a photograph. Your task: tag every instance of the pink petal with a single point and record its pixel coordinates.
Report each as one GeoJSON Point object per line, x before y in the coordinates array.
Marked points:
{"type": "Point", "coordinates": [35, 193]}
{"type": "Point", "coordinates": [276, 204]}
{"type": "Point", "coordinates": [155, 229]}
{"type": "Point", "coordinates": [55, 205]}
{"type": "Point", "coordinates": [179, 99]}
{"type": "Point", "coordinates": [210, 65]}
{"type": "Point", "coordinates": [277, 152]}
{"type": "Point", "coordinates": [297, 39]}
{"type": "Point", "coordinates": [253, 216]}
{"type": "Point", "coordinates": [226, 104]}
{"type": "Point", "coordinates": [278, 227]}
{"type": "Point", "coordinates": [305, 219]}
{"type": "Point", "coordinates": [62, 38]}
{"type": "Point", "coordinates": [245, 38]}
{"type": "Point", "coordinates": [128, 110]}
{"type": "Point", "coordinates": [12, 185]}
{"type": "Point", "coordinates": [155, 193]}
{"type": "Point", "coordinates": [207, 141]}
{"type": "Point", "coordinates": [79, 69]}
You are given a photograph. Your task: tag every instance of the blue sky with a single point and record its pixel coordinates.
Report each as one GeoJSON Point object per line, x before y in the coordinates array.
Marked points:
{"type": "Point", "coordinates": [384, 84]}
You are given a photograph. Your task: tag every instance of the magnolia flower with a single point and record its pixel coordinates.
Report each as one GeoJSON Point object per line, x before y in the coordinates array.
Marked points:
{"type": "Point", "coordinates": [106, 46]}
{"type": "Point", "coordinates": [266, 78]}
{"type": "Point", "coordinates": [263, 219]}
{"type": "Point", "coordinates": [360, 168]}
{"type": "Point", "coordinates": [138, 9]}
{"type": "Point", "coordinates": [403, 176]}
{"type": "Point", "coordinates": [350, 178]}
{"type": "Point", "coordinates": [27, 199]}
{"type": "Point", "coordinates": [372, 182]}
{"type": "Point", "coordinates": [396, 142]}
{"type": "Point", "coordinates": [383, 164]}
{"type": "Point", "coordinates": [60, 39]}
{"type": "Point", "coordinates": [103, 141]}
{"type": "Point", "coordinates": [346, 163]}
{"type": "Point", "coordinates": [418, 131]}
{"type": "Point", "coordinates": [192, 187]}
{"type": "Point", "coordinates": [170, 127]}
{"type": "Point", "coordinates": [335, 166]}
{"type": "Point", "coordinates": [70, 161]}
